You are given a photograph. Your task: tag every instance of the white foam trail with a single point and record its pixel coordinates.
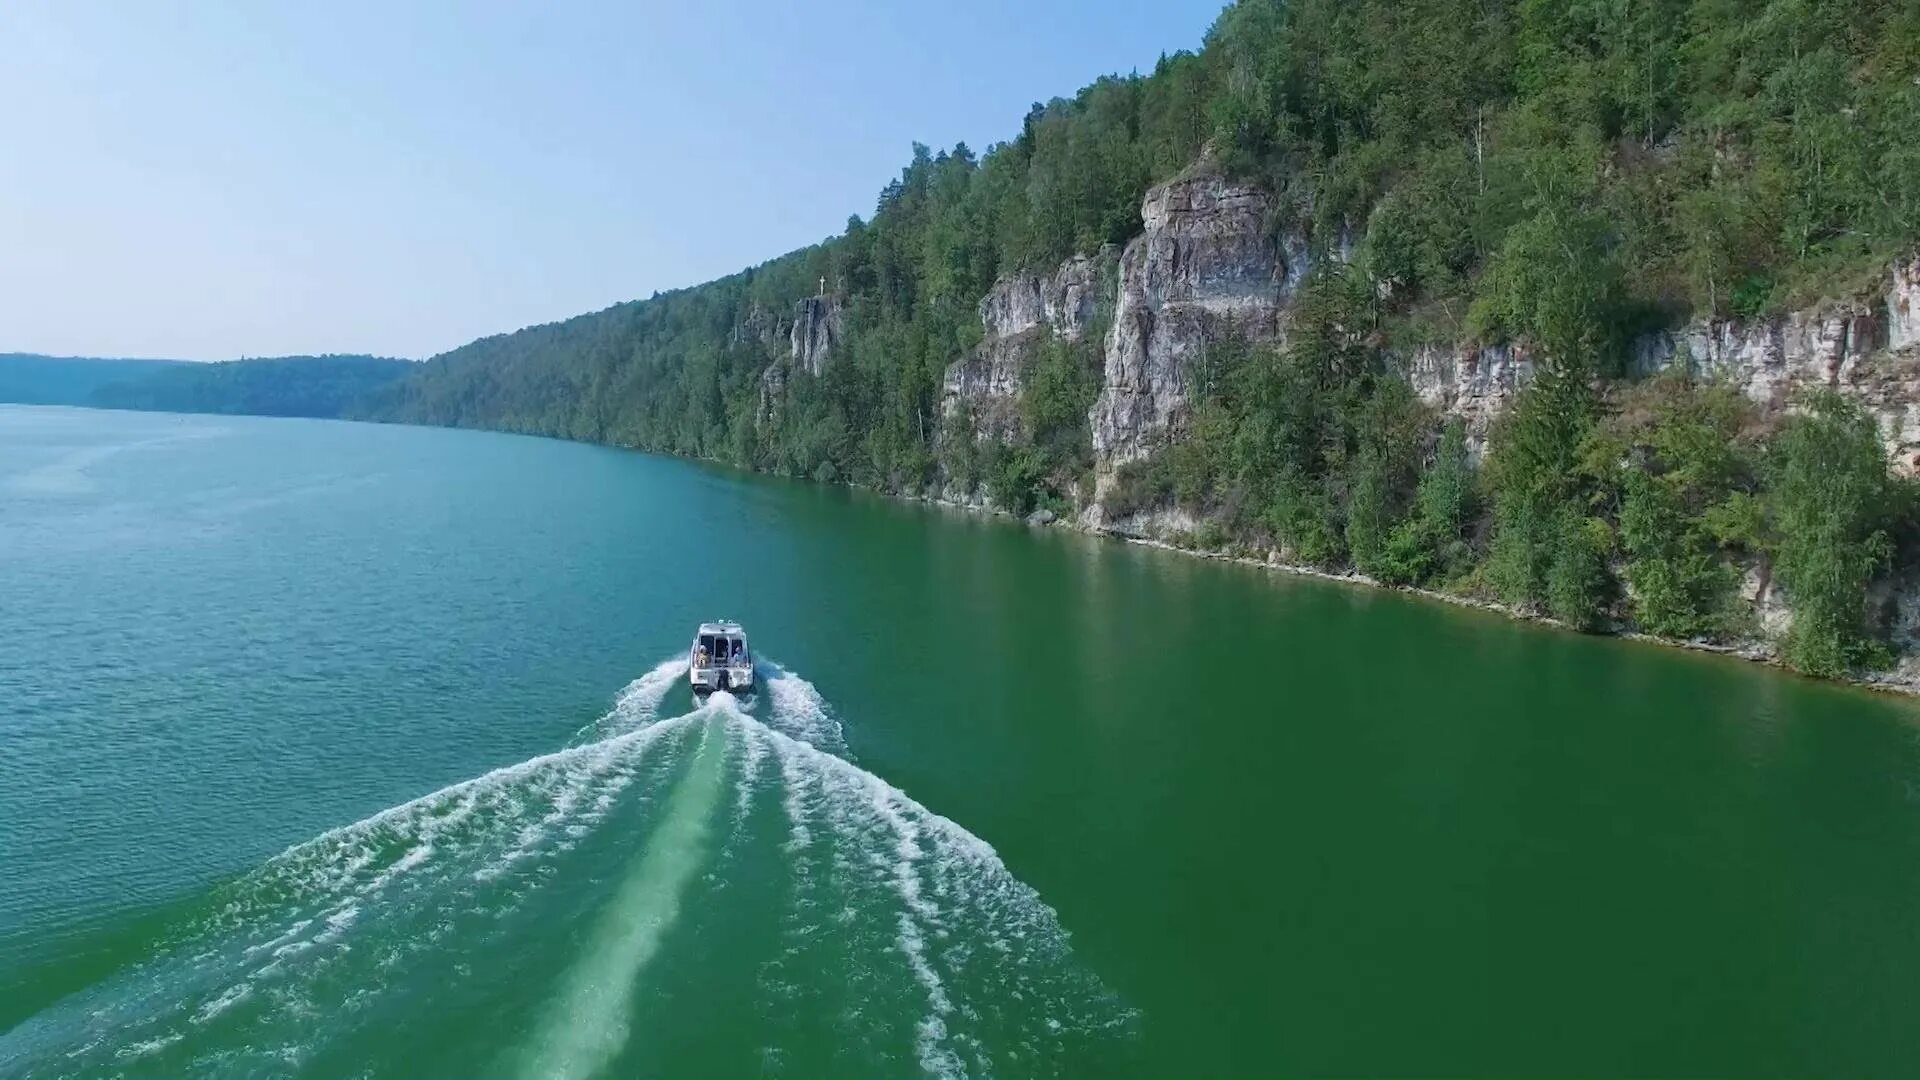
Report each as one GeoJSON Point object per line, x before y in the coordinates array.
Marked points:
{"type": "Point", "coordinates": [147, 1046]}
{"type": "Point", "coordinates": [332, 860]}
{"type": "Point", "coordinates": [234, 995]}
{"type": "Point", "coordinates": [793, 785]}
{"type": "Point", "coordinates": [343, 866]}
{"type": "Point", "coordinates": [753, 751]}
{"type": "Point", "coordinates": [902, 907]}
{"type": "Point", "coordinates": [638, 703]}
{"type": "Point", "coordinates": [855, 804]}
{"type": "Point", "coordinates": [587, 1024]}
{"type": "Point", "coordinates": [930, 1036]}
{"type": "Point", "coordinates": [799, 712]}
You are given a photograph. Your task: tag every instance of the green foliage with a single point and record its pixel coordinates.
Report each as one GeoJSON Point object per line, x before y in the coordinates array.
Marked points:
{"type": "Point", "coordinates": [33, 379]}
{"type": "Point", "coordinates": [1687, 481]}
{"type": "Point", "coordinates": [1579, 586]}
{"type": "Point", "coordinates": [1550, 169]}
{"type": "Point", "coordinates": [1058, 388]}
{"type": "Point", "coordinates": [1137, 486]}
{"type": "Point", "coordinates": [1014, 478]}
{"type": "Point", "coordinates": [1830, 500]}
{"type": "Point", "coordinates": [315, 386]}
{"type": "Point", "coordinates": [1548, 177]}
{"type": "Point", "coordinates": [1537, 484]}
{"type": "Point", "coordinates": [1429, 543]}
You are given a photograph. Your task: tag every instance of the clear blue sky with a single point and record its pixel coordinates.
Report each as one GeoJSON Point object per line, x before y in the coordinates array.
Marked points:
{"type": "Point", "coordinates": [215, 180]}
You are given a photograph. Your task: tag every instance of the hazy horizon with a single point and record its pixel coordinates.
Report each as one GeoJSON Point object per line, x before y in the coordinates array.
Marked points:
{"type": "Point", "coordinates": [233, 181]}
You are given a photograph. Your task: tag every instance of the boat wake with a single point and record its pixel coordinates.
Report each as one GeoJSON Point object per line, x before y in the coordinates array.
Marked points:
{"type": "Point", "coordinates": [656, 874]}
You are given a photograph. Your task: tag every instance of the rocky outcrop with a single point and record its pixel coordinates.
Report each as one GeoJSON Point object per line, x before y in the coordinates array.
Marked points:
{"type": "Point", "coordinates": [1019, 313]}
{"type": "Point", "coordinates": [1062, 303]}
{"type": "Point", "coordinates": [1903, 305]}
{"type": "Point", "coordinates": [773, 395]}
{"type": "Point", "coordinates": [1853, 349]}
{"type": "Point", "coordinates": [1767, 359]}
{"type": "Point", "coordinates": [1205, 268]}
{"type": "Point", "coordinates": [811, 338]}
{"type": "Point", "coordinates": [816, 333]}
{"type": "Point", "coordinates": [1773, 361]}
{"type": "Point", "coordinates": [762, 326]}
{"type": "Point", "coordinates": [1473, 383]}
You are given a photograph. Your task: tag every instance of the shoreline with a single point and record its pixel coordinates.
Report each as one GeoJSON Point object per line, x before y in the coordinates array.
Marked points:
{"type": "Point", "coordinates": [1753, 652]}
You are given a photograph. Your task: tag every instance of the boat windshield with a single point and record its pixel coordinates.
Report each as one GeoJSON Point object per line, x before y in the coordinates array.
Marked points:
{"type": "Point", "coordinates": [722, 649]}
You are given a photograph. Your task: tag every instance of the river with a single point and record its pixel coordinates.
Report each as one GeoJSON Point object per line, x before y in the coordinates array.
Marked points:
{"type": "Point", "coordinates": [333, 750]}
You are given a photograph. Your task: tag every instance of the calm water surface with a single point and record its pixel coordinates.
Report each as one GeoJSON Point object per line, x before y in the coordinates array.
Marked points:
{"type": "Point", "coordinates": [338, 750]}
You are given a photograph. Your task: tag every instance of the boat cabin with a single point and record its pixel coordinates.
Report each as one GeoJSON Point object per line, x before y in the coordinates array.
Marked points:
{"type": "Point", "coordinates": [720, 658]}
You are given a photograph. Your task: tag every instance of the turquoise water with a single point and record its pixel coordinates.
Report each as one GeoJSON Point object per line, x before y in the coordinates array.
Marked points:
{"type": "Point", "coordinates": [334, 750]}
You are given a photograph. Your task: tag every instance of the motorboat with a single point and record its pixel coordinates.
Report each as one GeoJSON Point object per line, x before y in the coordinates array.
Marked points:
{"type": "Point", "coordinates": [720, 659]}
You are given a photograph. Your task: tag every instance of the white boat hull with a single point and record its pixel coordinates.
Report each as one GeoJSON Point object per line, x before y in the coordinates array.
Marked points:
{"type": "Point", "coordinates": [717, 677]}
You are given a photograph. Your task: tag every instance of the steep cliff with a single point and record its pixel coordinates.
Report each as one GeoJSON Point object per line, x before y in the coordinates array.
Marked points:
{"type": "Point", "coordinates": [1209, 269]}
{"type": "Point", "coordinates": [816, 333]}
{"type": "Point", "coordinates": [1472, 382]}
{"type": "Point", "coordinates": [1019, 313]}
{"type": "Point", "coordinates": [803, 343]}
{"type": "Point", "coordinates": [1206, 267]}
{"type": "Point", "coordinates": [1408, 144]}
{"type": "Point", "coordinates": [1863, 351]}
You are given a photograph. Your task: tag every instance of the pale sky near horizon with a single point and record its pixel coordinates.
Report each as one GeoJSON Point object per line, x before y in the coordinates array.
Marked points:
{"type": "Point", "coordinates": [206, 181]}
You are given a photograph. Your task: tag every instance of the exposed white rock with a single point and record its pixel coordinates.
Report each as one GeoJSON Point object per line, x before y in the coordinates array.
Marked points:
{"type": "Point", "coordinates": [1204, 269]}
{"type": "Point", "coordinates": [773, 394]}
{"type": "Point", "coordinates": [1474, 384]}
{"type": "Point", "coordinates": [1903, 305]}
{"type": "Point", "coordinates": [1766, 359]}
{"type": "Point", "coordinates": [1773, 361]}
{"type": "Point", "coordinates": [816, 333]}
{"type": "Point", "coordinates": [1018, 314]}
{"type": "Point", "coordinates": [1763, 594]}
{"type": "Point", "coordinates": [1062, 302]}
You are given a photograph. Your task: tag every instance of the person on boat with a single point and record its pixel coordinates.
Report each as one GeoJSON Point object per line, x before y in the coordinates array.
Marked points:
{"type": "Point", "coordinates": [737, 652]}
{"type": "Point", "coordinates": [700, 656]}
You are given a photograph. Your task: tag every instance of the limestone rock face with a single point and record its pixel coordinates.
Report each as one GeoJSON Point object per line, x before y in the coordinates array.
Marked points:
{"type": "Point", "coordinates": [761, 325]}
{"type": "Point", "coordinates": [1020, 313]}
{"type": "Point", "coordinates": [773, 394]}
{"type": "Point", "coordinates": [1205, 268]}
{"type": "Point", "coordinates": [816, 333]}
{"type": "Point", "coordinates": [1766, 359]}
{"type": "Point", "coordinates": [1772, 361]}
{"type": "Point", "coordinates": [1061, 302]}
{"type": "Point", "coordinates": [1903, 305]}
{"type": "Point", "coordinates": [1472, 383]}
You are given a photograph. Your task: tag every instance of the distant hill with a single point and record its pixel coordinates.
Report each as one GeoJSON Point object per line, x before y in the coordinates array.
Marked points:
{"type": "Point", "coordinates": [320, 386]}
{"type": "Point", "coordinates": [32, 379]}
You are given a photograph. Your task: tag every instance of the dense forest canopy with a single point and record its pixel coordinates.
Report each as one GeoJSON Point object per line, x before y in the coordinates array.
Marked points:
{"type": "Point", "coordinates": [321, 386]}
{"type": "Point", "coordinates": [1683, 155]}
{"type": "Point", "coordinates": [1561, 173]}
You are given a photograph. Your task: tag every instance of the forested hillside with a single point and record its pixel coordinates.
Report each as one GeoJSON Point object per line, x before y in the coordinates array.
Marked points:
{"type": "Point", "coordinates": [33, 379]}
{"type": "Point", "coordinates": [1555, 179]}
{"type": "Point", "coordinates": [317, 386]}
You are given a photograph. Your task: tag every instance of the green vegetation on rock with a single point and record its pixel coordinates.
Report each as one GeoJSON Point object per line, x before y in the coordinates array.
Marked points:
{"type": "Point", "coordinates": [1558, 176]}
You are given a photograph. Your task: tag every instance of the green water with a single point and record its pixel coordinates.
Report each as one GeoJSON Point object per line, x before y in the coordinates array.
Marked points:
{"type": "Point", "coordinates": [337, 750]}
